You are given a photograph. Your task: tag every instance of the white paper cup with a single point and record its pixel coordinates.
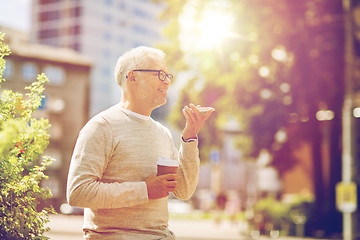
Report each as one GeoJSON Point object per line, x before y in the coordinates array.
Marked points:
{"type": "Point", "coordinates": [166, 165]}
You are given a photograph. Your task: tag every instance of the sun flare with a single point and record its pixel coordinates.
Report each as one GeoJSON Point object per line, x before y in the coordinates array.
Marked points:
{"type": "Point", "coordinates": [213, 28]}
{"type": "Point", "coordinates": [206, 28]}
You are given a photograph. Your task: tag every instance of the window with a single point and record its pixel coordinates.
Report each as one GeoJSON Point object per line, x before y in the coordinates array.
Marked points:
{"type": "Point", "coordinates": [145, 31]}
{"type": "Point", "coordinates": [55, 74]}
{"type": "Point", "coordinates": [74, 30]}
{"type": "Point", "coordinates": [107, 36]}
{"type": "Point", "coordinates": [43, 2]}
{"type": "Point", "coordinates": [9, 69]}
{"type": "Point", "coordinates": [108, 19]}
{"type": "Point", "coordinates": [29, 72]}
{"type": "Point", "coordinates": [109, 2]}
{"type": "Point", "coordinates": [141, 13]}
{"type": "Point", "coordinates": [48, 16]}
{"type": "Point", "coordinates": [106, 72]}
{"type": "Point", "coordinates": [49, 33]}
{"type": "Point", "coordinates": [76, 46]}
{"type": "Point", "coordinates": [75, 12]}
{"type": "Point", "coordinates": [122, 5]}
{"type": "Point", "coordinates": [140, 29]}
{"type": "Point", "coordinates": [121, 40]}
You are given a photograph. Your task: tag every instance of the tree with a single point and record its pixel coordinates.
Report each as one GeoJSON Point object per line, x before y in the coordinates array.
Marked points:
{"type": "Point", "coordinates": [23, 139]}
{"type": "Point", "coordinates": [278, 64]}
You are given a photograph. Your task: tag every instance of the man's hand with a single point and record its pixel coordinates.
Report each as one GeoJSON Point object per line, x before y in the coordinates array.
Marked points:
{"type": "Point", "coordinates": [194, 120]}
{"type": "Point", "coordinates": [160, 186]}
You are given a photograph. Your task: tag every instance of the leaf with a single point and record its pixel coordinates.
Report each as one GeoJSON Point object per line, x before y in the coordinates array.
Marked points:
{"type": "Point", "coordinates": [23, 140]}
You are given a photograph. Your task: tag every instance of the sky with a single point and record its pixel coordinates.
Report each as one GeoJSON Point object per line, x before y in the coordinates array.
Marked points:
{"type": "Point", "coordinates": [15, 14]}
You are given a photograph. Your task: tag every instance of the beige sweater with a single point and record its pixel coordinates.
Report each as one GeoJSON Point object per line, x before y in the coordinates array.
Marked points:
{"type": "Point", "coordinates": [114, 154]}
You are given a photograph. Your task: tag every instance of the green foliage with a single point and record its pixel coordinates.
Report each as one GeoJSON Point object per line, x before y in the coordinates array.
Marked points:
{"type": "Point", "coordinates": [271, 72]}
{"type": "Point", "coordinates": [272, 214]}
{"type": "Point", "coordinates": [4, 51]}
{"type": "Point", "coordinates": [272, 210]}
{"type": "Point", "coordinates": [23, 139]}
{"type": "Point", "coordinates": [276, 68]}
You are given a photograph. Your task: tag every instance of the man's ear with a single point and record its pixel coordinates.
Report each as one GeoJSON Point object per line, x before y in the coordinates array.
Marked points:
{"type": "Point", "coordinates": [131, 76]}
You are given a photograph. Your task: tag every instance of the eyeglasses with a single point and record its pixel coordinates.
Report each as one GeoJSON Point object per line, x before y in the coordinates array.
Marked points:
{"type": "Point", "coordinates": [161, 74]}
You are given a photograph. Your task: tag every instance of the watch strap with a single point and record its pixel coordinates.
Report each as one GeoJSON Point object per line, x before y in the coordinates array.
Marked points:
{"type": "Point", "coordinates": [189, 140]}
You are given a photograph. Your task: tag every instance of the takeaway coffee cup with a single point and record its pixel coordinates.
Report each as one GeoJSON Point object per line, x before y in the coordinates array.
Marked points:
{"type": "Point", "coordinates": [166, 165]}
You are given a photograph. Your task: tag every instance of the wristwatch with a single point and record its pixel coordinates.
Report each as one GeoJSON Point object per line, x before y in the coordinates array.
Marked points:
{"type": "Point", "coordinates": [189, 140]}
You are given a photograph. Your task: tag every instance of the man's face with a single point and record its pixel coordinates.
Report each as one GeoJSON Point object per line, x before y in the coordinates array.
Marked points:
{"type": "Point", "coordinates": [150, 89]}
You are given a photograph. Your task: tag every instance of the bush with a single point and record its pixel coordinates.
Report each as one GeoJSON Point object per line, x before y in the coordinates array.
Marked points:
{"type": "Point", "coordinates": [23, 139]}
{"type": "Point", "coordinates": [270, 214]}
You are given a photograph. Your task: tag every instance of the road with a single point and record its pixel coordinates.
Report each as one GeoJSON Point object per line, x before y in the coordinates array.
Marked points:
{"type": "Point", "coordinates": [65, 227]}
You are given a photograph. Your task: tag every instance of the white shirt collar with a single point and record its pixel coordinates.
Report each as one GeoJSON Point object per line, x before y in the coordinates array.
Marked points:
{"type": "Point", "coordinates": [137, 115]}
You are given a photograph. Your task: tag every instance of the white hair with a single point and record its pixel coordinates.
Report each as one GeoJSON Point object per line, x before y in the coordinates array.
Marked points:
{"type": "Point", "coordinates": [134, 59]}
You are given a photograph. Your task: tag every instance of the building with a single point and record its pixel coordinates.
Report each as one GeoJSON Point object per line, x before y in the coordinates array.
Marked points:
{"type": "Point", "coordinates": [66, 103]}
{"type": "Point", "coordinates": [101, 30]}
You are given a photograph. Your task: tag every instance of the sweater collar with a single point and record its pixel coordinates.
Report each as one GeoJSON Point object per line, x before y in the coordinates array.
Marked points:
{"type": "Point", "coordinates": [134, 114]}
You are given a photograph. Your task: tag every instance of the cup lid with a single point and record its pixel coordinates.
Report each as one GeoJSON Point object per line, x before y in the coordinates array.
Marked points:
{"type": "Point", "coordinates": [167, 162]}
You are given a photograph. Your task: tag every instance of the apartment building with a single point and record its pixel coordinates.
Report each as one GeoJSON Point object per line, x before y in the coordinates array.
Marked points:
{"type": "Point", "coordinates": [101, 30]}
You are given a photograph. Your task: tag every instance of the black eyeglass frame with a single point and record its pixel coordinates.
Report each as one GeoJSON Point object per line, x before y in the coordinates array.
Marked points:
{"type": "Point", "coordinates": [162, 75]}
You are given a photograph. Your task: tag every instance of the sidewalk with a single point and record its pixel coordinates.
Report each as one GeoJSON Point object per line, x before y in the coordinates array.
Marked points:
{"type": "Point", "coordinates": [203, 230]}
{"type": "Point", "coordinates": [208, 230]}
{"type": "Point", "coordinates": [69, 228]}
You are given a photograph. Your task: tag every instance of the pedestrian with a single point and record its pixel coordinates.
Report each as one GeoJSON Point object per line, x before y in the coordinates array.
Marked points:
{"type": "Point", "coordinates": [113, 168]}
{"type": "Point", "coordinates": [221, 200]}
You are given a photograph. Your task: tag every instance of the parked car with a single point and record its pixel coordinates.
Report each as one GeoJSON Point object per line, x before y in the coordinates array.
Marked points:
{"type": "Point", "coordinates": [65, 208]}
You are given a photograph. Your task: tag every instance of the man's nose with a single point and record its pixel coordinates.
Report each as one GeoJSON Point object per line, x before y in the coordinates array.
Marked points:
{"type": "Point", "coordinates": [167, 81]}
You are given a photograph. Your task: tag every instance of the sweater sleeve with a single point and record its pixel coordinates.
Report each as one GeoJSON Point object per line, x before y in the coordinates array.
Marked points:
{"type": "Point", "coordinates": [188, 156]}
{"type": "Point", "coordinates": [91, 154]}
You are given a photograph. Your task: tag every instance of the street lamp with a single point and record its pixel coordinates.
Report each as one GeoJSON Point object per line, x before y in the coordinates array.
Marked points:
{"type": "Point", "coordinates": [348, 125]}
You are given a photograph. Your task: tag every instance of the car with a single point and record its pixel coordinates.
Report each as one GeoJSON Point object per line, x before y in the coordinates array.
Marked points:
{"type": "Point", "coordinates": [67, 209]}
